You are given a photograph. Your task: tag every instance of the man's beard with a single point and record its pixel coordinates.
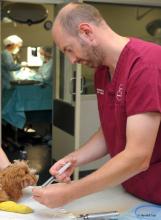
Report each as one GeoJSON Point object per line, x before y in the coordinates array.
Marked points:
{"type": "Point", "coordinates": [96, 55]}
{"type": "Point", "coordinates": [93, 54]}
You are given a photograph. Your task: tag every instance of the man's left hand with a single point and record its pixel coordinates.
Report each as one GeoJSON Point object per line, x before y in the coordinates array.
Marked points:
{"type": "Point", "coordinates": [54, 195]}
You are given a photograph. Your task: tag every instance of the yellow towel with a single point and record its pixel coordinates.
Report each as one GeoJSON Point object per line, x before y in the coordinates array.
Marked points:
{"type": "Point", "coordinates": [10, 206]}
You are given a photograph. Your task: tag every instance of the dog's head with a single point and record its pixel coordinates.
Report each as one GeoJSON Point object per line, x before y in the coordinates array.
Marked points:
{"type": "Point", "coordinates": [15, 177]}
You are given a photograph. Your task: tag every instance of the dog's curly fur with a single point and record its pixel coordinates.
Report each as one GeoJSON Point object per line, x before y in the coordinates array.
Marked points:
{"type": "Point", "coordinates": [12, 180]}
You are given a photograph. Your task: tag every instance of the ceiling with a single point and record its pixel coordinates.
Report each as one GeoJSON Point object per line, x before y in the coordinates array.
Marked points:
{"type": "Point", "coordinates": [129, 2]}
{"type": "Point", "coordinates": [41, 1]}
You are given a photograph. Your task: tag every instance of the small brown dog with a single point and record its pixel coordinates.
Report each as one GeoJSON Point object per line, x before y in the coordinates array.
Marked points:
{"type": "Point", "coordinates": [14, 178]}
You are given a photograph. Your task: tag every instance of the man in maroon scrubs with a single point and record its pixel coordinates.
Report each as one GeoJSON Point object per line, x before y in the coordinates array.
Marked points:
{"type": "Point", "coordinates": [128, 88]}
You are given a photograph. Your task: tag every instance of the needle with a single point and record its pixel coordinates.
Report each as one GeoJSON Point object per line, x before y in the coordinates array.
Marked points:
{"type": "Point", "coordinates": [53, 179]}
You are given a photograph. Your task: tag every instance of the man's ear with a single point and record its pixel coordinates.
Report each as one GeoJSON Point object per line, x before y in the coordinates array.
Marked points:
{"type": "Point", "coordinates": [86, 32]}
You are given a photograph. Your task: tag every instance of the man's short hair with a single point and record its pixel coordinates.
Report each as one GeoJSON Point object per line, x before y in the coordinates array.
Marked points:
{"type": "Point", "coordinates": [70, 19]}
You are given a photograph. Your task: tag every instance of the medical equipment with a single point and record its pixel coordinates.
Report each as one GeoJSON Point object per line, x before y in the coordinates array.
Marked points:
{"type": "Point", "coordinates": [53, 179]}
{"type": "Point", "coordinates": [111, 215]}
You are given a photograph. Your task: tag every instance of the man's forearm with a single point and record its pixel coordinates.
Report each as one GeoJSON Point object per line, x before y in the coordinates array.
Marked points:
{"type": "Point", "coordinates": [114, 172]}
{"type": "Point", "coordinates": [94, 149]}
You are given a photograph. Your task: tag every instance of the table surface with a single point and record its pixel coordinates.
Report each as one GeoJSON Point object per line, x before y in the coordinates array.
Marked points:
{"type": "Point", "coordinates": [108, 200]}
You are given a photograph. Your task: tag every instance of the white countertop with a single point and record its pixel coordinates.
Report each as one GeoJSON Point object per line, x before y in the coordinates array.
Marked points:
{"type": "Point", "coordinates": [108, 200]}
{"type": "Point", "coordinates": [111, 199]}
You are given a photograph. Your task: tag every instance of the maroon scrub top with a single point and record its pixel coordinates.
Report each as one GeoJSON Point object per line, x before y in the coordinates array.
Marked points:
{"type": "Point", "coordinates": [134, 89]}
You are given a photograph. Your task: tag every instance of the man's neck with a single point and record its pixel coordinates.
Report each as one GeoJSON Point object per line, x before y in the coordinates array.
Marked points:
{"type": "Point", "coordinates": [115, 54]}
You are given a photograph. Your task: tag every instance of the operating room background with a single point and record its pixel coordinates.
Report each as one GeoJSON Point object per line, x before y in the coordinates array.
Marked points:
{"type": "Point", "coordinates": [37, 148]}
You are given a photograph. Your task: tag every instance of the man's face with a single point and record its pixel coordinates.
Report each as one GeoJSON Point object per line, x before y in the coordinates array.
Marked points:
{"type": "Point", "coordinates": [78, 50]}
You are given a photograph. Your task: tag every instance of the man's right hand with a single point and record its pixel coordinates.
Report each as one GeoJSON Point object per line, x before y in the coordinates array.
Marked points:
{"type": "Point", "coordinates": [65, 176]}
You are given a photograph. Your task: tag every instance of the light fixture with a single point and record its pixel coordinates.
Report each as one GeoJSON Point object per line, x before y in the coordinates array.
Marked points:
{"type": "Point", "coordinates": [48, 25]}
{"type": "Point", "coordinates": [26, 13]}
{"type": "Point", "coordinates": [153, 26]}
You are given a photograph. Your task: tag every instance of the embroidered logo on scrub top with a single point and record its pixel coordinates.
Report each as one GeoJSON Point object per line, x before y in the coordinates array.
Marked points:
{"type": "Point", "coordinates": [119, 94]}
{"type": "Point", "coordinates": [100, 91]}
